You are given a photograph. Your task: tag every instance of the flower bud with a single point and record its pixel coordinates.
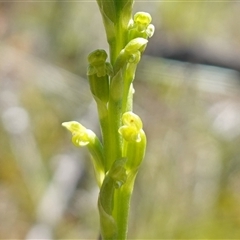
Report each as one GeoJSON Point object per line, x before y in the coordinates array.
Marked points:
{"type": "Point", "coordinates": [135, 45]}
{"type": "Point", "coordinates": [98, 75]}
{"type": "Point", "coordinates": [97, 63]}
{"type": "Point", "coordinates": [98, 56]}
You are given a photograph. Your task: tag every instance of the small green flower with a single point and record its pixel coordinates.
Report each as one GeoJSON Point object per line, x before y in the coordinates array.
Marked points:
{"type": "Point", "coordinates": [81, 136]}
{"type": "Point", "coordinates": [132, 125]}
{"type": "Point", "coordinates": [140, 26]}
{"type": "Point", "coordinates": [134, 143]}
{"type": "Point", "coordinates": [142, 20]}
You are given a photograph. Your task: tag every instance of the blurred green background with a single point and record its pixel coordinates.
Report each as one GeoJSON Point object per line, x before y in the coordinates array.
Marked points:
{"type": "Point", "coordinates": [189, 184]}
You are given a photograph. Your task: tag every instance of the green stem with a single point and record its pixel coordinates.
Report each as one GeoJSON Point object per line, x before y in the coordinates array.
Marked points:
{"type": "Point", "coordinates": [112, 51]}
{"type": "Point", "coordinates": [120, 42]}
{"type": "Point", "coordinates": [128, 88]}
{"type": "Point", "coordinates": [113, 151]}
{"type": "Point", "coordinates": [122, 200]}
{"type": "Point", "coordinates": [114, 148]}
{"type": "Point", "coordinates": [116, 107]}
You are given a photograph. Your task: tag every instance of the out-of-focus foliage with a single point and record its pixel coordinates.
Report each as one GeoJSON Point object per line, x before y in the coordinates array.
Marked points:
{"type": "Point", "coordinates": [58, 31]}
{"type": "Point", "coordinates": [193, 160]}
{"type": "Point", "coordinates": [189, 184]}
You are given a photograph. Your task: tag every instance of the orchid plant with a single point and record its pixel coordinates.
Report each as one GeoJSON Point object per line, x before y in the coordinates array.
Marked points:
{"type": "Point", "coordinates": [117, 155]}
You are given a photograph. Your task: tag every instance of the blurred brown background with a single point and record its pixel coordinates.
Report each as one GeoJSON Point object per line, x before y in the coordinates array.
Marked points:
{"type": "Point", "coordinates": [187, 92]}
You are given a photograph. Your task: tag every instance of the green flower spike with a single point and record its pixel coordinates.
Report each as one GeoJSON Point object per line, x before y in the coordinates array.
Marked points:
{"type": "Point", "coordinates": [116, 159]}
{"type": "Point", "coordinates": [82, 136]}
